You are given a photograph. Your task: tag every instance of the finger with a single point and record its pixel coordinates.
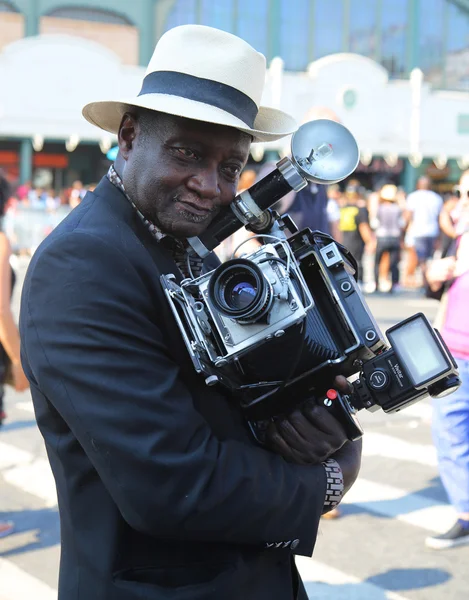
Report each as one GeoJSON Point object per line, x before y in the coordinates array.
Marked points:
{"type": "Point", "coordinates": [342, 385]}
{"type": "Point", "coordinates": [310, 443]}
{"type": "Point", "coordinates": [294, 438]}
{"type": "Point", "coordinates": [276, 442]}
{"type": "Point", "coordinates": [324, 421]}
{"type": "Point", "coordinates": [304, 428]}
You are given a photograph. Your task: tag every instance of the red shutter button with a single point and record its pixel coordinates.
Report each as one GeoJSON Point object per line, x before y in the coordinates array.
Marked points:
{"type": "Point", "coordinates": [332, 394]}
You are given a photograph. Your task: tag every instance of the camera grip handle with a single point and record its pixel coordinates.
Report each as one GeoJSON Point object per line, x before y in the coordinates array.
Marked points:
{"type": "Point", "coordinates": [342, 409]}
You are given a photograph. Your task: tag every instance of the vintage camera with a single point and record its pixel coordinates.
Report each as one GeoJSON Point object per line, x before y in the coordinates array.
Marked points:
{"type": "Point", "coordinates": [275, 326]}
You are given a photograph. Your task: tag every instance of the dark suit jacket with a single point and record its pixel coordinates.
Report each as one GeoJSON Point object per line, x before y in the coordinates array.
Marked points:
{"type": "Point", "coordinates": [162, 493]}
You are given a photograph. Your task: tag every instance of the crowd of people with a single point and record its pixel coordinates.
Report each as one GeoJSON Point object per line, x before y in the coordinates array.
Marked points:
{"type": "Point", "coordinates": [399, 232]}
{"type": "Point", "coordinates": [391, 235]}
{"type": "Point", "coordinates": [49, 198]}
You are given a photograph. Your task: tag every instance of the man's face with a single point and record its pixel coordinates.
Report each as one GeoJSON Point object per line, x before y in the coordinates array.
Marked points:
{"type": "Point", "coordinates": [181, 172]}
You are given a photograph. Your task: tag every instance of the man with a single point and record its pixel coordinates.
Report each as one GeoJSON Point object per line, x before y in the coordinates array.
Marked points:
{"type": "Point", "coordinates": [162, 492]}
{"type": "Point", "coordinates": [423, 210]}
{"type": "Point", "coordinates": [354, 225]}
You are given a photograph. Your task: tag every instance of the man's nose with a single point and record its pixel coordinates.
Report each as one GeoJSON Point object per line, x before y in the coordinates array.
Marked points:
{"type": "Point", "coordinates": [205, 183]}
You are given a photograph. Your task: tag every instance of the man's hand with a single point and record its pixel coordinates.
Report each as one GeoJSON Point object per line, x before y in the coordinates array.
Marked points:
{"type": "Point", "coordinates": [309, 434]}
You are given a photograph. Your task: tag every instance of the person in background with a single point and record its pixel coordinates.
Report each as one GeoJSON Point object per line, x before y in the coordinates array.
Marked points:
{"type": "Point", "coordinates": [451, 413]}
{"type": "Point", "coordinates": [355, 226]}
{"type": "Point", "coordinates": [23, 191]}
{"type": "Point", "coordinates": [423, 211]}
{"type": "Point", "coordinates": [372, 205]}
{"type": "Point", "coordinates": [9, 336]}
{"type": "Point", "coordinates": [77, 193]}
{"type": "Point", "coordinates": [307, 208]}
{"type": "Point", "coordinates": [411, 261]}
{"type": "Point", "coordinates": [334, 200]}
{"type": "Point", "coordinates": [449, 214]}
{"type": "Point", "coordinates": [51, 200]}
{"type": "Point", "coordinates": [35, 198]}
{"type": "Point", "coordinates": [388, 225]}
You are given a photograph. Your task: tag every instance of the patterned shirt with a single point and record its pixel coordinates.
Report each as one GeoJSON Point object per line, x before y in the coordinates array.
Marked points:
{"type": "Point", "coordinates": [188, 263]}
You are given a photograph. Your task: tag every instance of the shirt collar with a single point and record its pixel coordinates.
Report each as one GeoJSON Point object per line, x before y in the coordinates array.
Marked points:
{"type": "Point", "coordinates": [116, 180]}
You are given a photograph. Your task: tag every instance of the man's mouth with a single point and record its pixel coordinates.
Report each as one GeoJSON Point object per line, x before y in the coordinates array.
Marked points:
{"type": "Point", "coordinates": [194, 207]}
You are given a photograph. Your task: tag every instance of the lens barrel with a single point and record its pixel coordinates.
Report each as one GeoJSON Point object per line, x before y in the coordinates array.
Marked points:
{"type": "Point", "coordinates": [238, 289]}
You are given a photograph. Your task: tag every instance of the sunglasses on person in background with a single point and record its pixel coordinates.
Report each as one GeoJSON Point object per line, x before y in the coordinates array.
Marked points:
{"type": "Point", "coordinates": [463, 194]}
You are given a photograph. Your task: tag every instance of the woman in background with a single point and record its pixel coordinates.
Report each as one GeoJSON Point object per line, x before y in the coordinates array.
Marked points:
{"type": "Point", "coordinates": [451, 414]}
{"type": "Point", "coordinates": [9, 336]}
{"type": "Point", "coordinates": [388, 225]}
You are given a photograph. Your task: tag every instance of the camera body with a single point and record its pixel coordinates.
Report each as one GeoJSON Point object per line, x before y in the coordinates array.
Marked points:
{"type": "Point", "coordinates": [292, 308]}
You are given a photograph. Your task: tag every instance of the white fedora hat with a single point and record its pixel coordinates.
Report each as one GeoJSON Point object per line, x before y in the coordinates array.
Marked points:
{"type": "Point", "coordinates": [204, 74]}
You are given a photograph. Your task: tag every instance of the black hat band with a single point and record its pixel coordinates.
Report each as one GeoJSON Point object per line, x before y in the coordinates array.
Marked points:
{"type": "Point", "coordinates": [211, 92]}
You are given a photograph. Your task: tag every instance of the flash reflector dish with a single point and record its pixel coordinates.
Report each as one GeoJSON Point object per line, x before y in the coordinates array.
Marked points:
{"type": "Point", "coordinates": [324, 151]}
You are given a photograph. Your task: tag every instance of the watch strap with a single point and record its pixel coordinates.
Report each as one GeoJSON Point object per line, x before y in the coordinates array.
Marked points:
{"type": "Point", "coordinates": [334, 484]}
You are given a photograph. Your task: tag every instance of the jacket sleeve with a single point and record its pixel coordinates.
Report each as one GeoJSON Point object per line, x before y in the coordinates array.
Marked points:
{"type": "Point", "coordinates": [91, 345]}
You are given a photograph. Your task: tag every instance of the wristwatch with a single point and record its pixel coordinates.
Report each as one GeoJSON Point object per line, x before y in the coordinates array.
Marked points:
{"type": "Point", "coordinates": [334, 484]}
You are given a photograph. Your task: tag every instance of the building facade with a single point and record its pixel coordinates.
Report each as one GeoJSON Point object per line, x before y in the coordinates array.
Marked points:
{"type": "Point", "coordinates": [396, 72]}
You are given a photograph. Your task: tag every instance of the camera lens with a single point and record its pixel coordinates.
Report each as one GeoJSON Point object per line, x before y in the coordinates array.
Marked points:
{"type": "Point", "coordinates": [241, 295]}
{"type": "Point", "coordinates": [238, 289]}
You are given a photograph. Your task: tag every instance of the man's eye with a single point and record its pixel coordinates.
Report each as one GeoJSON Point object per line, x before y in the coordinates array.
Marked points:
{"type": "Point", "coordinates": [187, 152]}
{"type": "Point", "coordinates": [232, 170]}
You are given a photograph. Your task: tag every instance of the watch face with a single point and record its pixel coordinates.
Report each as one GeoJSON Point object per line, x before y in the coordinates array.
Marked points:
{"type": "Point", "coordinates": [325, 151]}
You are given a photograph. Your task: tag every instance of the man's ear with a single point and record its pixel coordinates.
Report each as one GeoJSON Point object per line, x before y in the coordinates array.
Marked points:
{"type": "Point", "coordinates": [127, 134]}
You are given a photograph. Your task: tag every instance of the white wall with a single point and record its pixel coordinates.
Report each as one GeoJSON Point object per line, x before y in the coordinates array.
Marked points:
{"type": "Point", "coordinates": [46, 80]}
{"type": "Point", "coordinates": [381, 116]}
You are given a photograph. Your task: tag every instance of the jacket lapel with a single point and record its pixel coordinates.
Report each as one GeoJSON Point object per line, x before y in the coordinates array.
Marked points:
{"type": "Point", "coordinates": [121, 206]}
